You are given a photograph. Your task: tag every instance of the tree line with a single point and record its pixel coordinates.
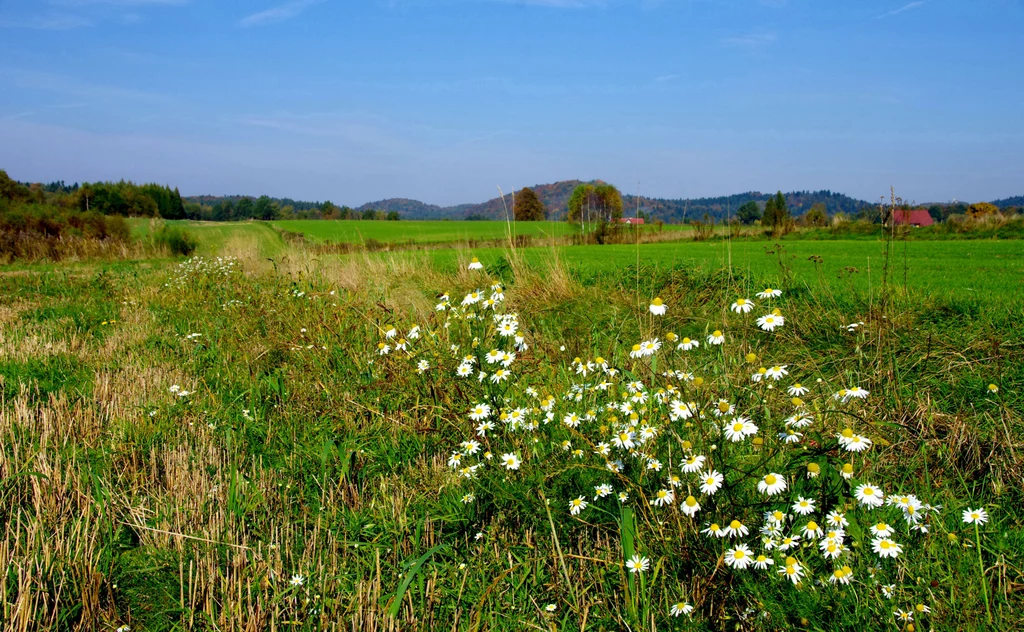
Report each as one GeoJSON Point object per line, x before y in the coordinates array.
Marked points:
{"type": "Point", "coordinates": [265, 208]}
{"type": "Point", "coordinates": [40, 222]}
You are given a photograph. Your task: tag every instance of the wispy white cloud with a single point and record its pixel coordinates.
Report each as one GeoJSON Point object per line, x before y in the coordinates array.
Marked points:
{"type": "Point", "coordinates": [279, 13]}
{"type": "Point", "coordinates": [906, 7]}
{"type": "Point", "coordinates": [55, 22]}
{"type": "Point", "coordinates": [751, 40]}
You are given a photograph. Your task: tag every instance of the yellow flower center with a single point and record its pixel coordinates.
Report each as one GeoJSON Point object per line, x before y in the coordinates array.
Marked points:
{"type": "Point", "coordinates": [790, 561]}
{"type": "Point", "coordinates": [687, 446]}
{"type": "Point", "coordinates": [686, 341]}
{"type": "Point", "coordinates": [690, 501]}
{"type": "Point", "coordinates": [636, 347]}
{"type": "Point", "coordinates": [884, 544]}
{"type": "Point", "coordinates": [738, 554]}
{"type": "Point", "coordinates": [812, 526]}
{"type": "Point", "coordinates": [723, 407]}
{"type": "Point", "coordinates": [776, 312]}
{"type": "Point", "coordinates": [848, 468]}
{"type": "Point", "coordinates": [717, 333]}
{"type": "Point", "coordinates": [751, 357]}
{"type": "Point", "coordinates": [741, 301]}
{"type": "Point", "coordinates": [710, 481]}
{"type": "Point", "coordinates": [768, 291]}
{"type": "Point", "coordinates": [778, 515]}
{"type": "Point", "coordinates": [771, 480]}
{"type": "Point", "coordinates": [813, 468]}
{"type": "Point", "coordinates": [848, 433]}
{"type": "Point", "coordinates": [656, 302]}
{"type": "Point", "coordinates": [881, 526]}
{"type": "Point", "coordinates": [714, 526]}
{"type": "Point", "coordinates": [735, 524]}
{"type": "Point", "coordinates": [737, 427]}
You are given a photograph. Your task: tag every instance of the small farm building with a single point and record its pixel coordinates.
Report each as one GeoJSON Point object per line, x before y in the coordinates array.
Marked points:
{"type": "Point", "coordinates": [912, 218]}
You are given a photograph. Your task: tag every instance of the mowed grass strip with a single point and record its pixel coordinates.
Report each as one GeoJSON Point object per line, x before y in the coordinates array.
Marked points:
{"type": "Point", "coordinates": [219, 238]}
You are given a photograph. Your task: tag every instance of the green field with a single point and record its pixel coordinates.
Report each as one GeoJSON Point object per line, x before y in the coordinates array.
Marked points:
{"type": "Point", "coordinates": [354, 231]}
{"type": "Point", "coordinates": [244, 444]}
{"type": "Point", "coordinates": [987, 270]}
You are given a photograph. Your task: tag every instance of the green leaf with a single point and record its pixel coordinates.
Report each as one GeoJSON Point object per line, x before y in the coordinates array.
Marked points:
{"type": "Point", "coordinates": [396, 602]}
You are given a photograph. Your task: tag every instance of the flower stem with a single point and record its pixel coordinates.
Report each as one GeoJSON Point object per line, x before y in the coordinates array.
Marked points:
{"type": "Point", "coordinates": [981, 569]}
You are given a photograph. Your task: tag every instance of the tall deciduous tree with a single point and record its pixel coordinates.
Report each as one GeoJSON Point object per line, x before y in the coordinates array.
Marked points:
{"type": "Point", "coordinates": [590, 202]}
{"type": "Point", "coordinates": [609, 202]}
{"type": "Point", "coordinates": [528, 207]}
{"type": "Point", "coordinates": [578, 202]}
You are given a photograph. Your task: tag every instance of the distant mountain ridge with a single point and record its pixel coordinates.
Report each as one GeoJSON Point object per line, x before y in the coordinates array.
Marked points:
{"type": "Point", "coordinates": [555, 197]}
{"type": "Point", "coordinates": [1017, 200]}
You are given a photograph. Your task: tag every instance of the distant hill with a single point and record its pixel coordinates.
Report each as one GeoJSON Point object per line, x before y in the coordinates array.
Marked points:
{"type": "Point", "coordinates": [1017, 201]}
{"type": "Point", "coordinates": [408, 209]}
{"type": "Point", "coordinates": [717, 208]}
{"type": "Point", "coordinates": [555, 197]}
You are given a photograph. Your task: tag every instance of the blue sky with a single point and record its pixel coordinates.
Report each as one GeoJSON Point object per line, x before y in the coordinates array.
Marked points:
{"type": "Point", "coordinates": [444, 100]}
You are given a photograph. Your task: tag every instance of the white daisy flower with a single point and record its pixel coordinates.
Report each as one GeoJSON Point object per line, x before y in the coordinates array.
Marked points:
{"type": "Point", "coordinates": [742, 306]}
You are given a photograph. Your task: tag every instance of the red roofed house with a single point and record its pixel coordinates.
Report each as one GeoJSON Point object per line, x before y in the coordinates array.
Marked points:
{"type": "Point", "coordinates": [631, 220]}
{"type": "Point", "coordinates": [915, 217]}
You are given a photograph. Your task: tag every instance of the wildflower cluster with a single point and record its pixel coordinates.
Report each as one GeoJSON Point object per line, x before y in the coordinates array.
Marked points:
{"type": "Point", "coordinates": [206, 269]}
{"type": "Point", "coordinates": [768, 476]}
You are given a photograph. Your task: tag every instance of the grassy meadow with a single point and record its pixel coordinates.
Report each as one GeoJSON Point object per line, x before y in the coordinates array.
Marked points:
{"type": "Point", "coordinates": [267, 438]}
